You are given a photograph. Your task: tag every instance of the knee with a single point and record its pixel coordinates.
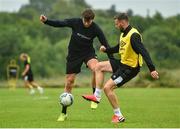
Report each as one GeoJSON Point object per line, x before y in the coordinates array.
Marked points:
{"type": "Point", "coordinates": [106, 89]}
{"type": "Point", "coordinates": [93, 69]}
{"type": "Point", "coordinates": [98, 67]}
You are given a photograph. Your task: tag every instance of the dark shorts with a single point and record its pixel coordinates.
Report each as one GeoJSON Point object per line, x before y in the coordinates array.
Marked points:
{"type": "Point", "coordinates": [73, 65]}
{"type": "Point", "coordinates": [29, 77]}
{"type": "Point", "coordinates": [122, 73]}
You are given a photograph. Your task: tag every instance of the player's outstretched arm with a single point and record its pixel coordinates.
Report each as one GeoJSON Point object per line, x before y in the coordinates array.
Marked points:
{"type": "Point", "coordinates": [57, 23]}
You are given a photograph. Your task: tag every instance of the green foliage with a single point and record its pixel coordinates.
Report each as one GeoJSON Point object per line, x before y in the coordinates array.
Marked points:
{"type": "Point", "coordinates": [163, 45]}
{"type": "Point", "coordinates": [47, 46]}
{"type": "Point", "coordinates": [10, 45]}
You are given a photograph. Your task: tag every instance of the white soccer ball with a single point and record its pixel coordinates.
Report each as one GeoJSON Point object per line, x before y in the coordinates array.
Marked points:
{"type": "Point", "coordinates": [66, 99]}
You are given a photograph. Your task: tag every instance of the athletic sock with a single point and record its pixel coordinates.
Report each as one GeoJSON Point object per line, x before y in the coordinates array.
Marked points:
{"type": "Point", "coordinates": [64, 109]}
{"type": "Point", "coordinates": [32, 91]}
{"type": "Point", "coordinates": [93, 89]}
{"type": "Point", "coordinates": [39, 88]}
{"type": "Point", "coordinates": [117, 112]}
{"type": "Point", "coordinates": [97, 94]}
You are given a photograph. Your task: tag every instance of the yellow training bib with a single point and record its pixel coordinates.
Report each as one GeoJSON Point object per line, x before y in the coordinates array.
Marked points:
{"type": "Point", "coordinates": [128, 55]}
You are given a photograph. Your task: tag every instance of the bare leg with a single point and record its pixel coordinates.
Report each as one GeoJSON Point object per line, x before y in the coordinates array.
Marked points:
{"type": "Point", "coordinates": [68, 87]}
{"type": "Point", "coordinates": [28, 84]}
{"type": "Point", "coordinates": [35, 84]}
{"type": "Point", "coordinates": [40, 89]}
{"type": "Point", "coordinates": [109, 91]}
{"type": "Point", "coordinates": [91, 65]}
{"type": "Point", "coordinates": [69, 82]}
{"type": "Point", "coordinates": [102, 67]}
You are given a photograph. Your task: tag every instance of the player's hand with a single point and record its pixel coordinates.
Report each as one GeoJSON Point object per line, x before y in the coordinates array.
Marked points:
{"type": "Point", "coordinates": [43, 18]}
{"type": "Point", "coordinates": [102, 48]}
{"type": "Point", "coordinates": [154, 74]}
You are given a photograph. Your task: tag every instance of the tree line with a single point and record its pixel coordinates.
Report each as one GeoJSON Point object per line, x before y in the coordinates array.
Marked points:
{"type": "Point", "coordinates": [47, 46]}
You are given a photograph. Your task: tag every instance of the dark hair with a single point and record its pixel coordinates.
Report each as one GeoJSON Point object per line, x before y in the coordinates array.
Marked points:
{"type": "Point", "coordinates": [121, 16]}
{"type": "Point", "coordinates": [88, 14]}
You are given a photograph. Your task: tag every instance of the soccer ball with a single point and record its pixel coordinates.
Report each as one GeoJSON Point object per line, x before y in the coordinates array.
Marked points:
{"type": "Point", "coordinates": [66, 99]}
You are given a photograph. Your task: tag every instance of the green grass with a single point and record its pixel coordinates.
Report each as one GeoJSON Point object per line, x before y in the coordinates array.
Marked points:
{"type": "Point", "coordinates": [143, 108]}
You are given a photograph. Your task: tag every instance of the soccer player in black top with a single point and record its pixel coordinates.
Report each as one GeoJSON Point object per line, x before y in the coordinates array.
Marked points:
{"type": "Point", "coordinates": [27, 74]}
{"type": "Point", "coordinates": [80, 48]}
{"type": "Point", "coordinates": [127, 67]}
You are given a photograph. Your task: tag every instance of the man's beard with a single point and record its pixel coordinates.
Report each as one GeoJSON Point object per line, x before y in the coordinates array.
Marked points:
{"type": "Point", "coordinates": [121, 29]}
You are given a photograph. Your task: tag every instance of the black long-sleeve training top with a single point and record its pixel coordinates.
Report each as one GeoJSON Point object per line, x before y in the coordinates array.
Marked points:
{"type": "Point", "coordinates": [81, 42]}
{"type": "Point", "coordinates": [29, 72]}
{"type": "Point", "coordinates": [137, 46]}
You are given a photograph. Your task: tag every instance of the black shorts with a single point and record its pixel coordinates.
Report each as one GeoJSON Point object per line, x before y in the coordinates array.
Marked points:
{"type": "Point", "coordinates": [29, 77]}
{"type": "Point", "coordinates": [122, 73]}
{"type": "Point", "coordinates": [73, 65]}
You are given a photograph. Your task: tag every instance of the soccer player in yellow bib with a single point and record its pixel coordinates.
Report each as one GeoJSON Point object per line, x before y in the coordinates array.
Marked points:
{"type": "Point", "coordinates": [131, 52]}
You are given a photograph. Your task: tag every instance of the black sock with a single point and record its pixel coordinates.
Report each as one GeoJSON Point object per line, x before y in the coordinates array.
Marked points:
{"type": "Point", "coordinates": [64, 109]}
{"type": "Point", "coordinates": [94, 90]}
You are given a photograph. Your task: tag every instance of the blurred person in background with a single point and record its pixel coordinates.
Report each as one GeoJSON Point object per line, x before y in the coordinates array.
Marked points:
{"type": "Point", "coordinates": [27, 74]}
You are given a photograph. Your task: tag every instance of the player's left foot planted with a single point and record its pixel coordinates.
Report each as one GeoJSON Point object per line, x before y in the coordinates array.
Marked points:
{"type": "Point", "coordinates": [90, 98]}
{"type": "Point", "coordinates": [93, 105]}
{"type": "Point", "coordinates": [62, 117]}
{"type": "Point", "coordinates": [117, 119]}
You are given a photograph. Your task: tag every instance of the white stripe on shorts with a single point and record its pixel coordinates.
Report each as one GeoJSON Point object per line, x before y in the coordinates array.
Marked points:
{"type": "Point", "coordinates": [118, 80]}
{"type": "Point", "coordinates": [25, 78]}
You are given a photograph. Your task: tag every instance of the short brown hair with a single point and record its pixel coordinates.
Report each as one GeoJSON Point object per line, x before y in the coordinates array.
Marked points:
{"type": "Point", "coordinates": [121, 16]}
{"type": "Point", "coordinates": [88, 14]}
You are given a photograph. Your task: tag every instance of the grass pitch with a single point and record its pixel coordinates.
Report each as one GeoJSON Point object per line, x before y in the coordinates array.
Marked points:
{"type": "Point", "coordinates": [142, 108]}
